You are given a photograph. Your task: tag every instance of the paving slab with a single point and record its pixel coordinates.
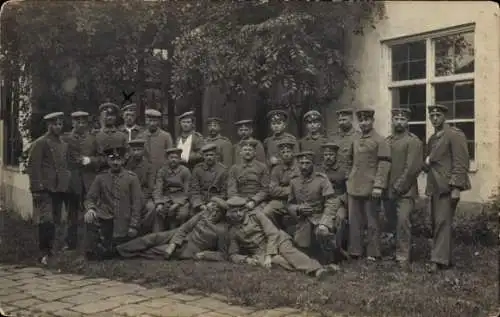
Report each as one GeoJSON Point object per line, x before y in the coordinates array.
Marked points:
{"type": "Point", "coordinates": [51, 306]}
{"type": "Point", "coordinates": [160, 302]}
{"type": "Point", "coordinates": [56, 295]}
{"type": "Point", "coordinates": [96, 307]}
{"type": "Point", "coordinates": [134, 310]}
{"type": "Point", "coordinates": [83, 298]}
{"type": "Point", "coordinates": [127, 299]}
{"type": "Point", "coordinates": [269, 313]}
{"type": "Point", "coordinates": [154, 293]}
{"type": "Point", "coordinates": [66, 313]}
{"type": "Point", "coordinates": [12, 297]}
{"type": "Point", "coordinates": [185, 297]}
{"type": "Point", "coordinates": [26, 303]}
{"type": "Point", "coordinates": [179, 310]}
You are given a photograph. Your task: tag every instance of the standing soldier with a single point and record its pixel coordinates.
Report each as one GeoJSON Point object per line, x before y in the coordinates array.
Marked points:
{"type": "Point", "coordinates": [109, 135]}
{"type": "Point", "coordinates": [171, 193]}
{"type": "Point", "coordinates": [49, 181]}
{"type": "Point", "coordinates": [402, 190]}
{"type": "Point", "coordinates": [113, 205]}
{"type": "Point", "coordinates": [138, 163]}
{"type": "Point", "coordinates": [245, 132]}
{"type": "Point", "coordinates": [344, 137]}
{"type": "Point", "coordinates": [314, 138]}
{"type": "Point", "coordinates": [190, 141]}
{"type": "Point", "coordinates": [157, 140]}
{"type": "Point", "coordinates": [209, 178]}
{"type": "Point", "coordinates": [371, 162]}
{"type": "Point", "coordinates": [80, 142]}
{"type": "Point", "coordinates": [250, 178]}
{"type": "Point", "coordinates": [447, 166]}
{"type": "Point", "coordinates": [278, 122]}
{"type": "Point", "coordinates": [224, 146]}
{"type": "Point", "coordinates": [130, 127]}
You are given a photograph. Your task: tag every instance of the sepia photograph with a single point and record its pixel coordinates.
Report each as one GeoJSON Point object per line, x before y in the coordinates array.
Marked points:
{"type": "Point", "coordinates": [200, 158]}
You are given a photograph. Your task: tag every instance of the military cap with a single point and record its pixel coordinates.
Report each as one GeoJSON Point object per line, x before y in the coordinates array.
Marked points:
{"type": "Point", "coordinates": [109, 107]}
{"type": "Point", "coordinates": [53, 115]}
{"type": "Point", "coordinates": [220, 203]}
{"type": "Point", "coordinates": [244, 122]}
{"type": "Point", "coordinates": [214, 119]}
{"type": "Point", "coordinates": [345, 111]}
{"type": "Point", "coordinates": [173, 150]}
{"type": "Point", "coordinates": [286, 142]}
{"type": "Point", "coordinates": [251, 142]}
{"type": "Point", "coordinates": [137, 142]}
{"type": "Point", "coordinates": [330, 145]}
{"type": "Point", "coordinates": [79, 114]}
{"type": "Point", "coordinates": [307, 154]}
{"type": "Point", "coordinates": [437, 109]}
{"type": "Point", "coordinates": [209, 147]}
{"type": "Point", "coordinates": [132, 107]}
{"type": "Point", "coordinates": [188, 114]}
{"type": "Point", "coordinates": [277, 115]}
{"type": "Point", "coordinates": [152, 113]}
{"type": "Point", "coordinates": [405, 112]}
{"type": "Point", "coordinates": [365, 112]}
{"type": "Point", "coordinates": [236, 201]}
{"type": "Point", "coordinates": [114, 151]}
{"type": "Point", "coordinates": [312, 115]}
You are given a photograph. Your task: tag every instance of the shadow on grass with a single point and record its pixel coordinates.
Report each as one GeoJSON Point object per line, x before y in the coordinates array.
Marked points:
{"type": "Point", "coordinates": [382, 289]}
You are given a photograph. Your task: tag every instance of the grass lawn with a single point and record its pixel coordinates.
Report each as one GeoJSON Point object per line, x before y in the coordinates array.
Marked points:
{"type": "Point", "coordinates": [360, 289]}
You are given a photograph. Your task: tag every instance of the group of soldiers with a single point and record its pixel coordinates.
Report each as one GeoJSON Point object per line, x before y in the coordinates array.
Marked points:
{"type": "Point", "coordinates": [300, 204]}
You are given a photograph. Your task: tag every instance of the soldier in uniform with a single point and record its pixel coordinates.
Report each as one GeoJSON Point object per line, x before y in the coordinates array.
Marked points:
{"type": "Point", "coordinates": [113, 204]}
{"type": "Point", "coordinates": [49, 181]}
{"type": "Point", "coordinates": [209, 178]}
{"type": "Point", "coordinates": [80, 142]}
{"type": "Point", "coordinates": [279, 186]}
{"type": "Point", "coordinates": [344, 137]}
{"type": "Point", "coordinates": [254, 240]}
{"type": "Point", "coordinates": [130, 126]}
{"type": "Point", "coordinates": [371, 162]}
{"type": "Point", "coordinates": [171, 192]}
{"type": "Point", "coordinates": [203, 237]}
{"type": "Point", "coordinates": [315, 137]}
{"type": "Point", "coordinates": [250, 178]}
{"type": "Point", "coordinates": [278, 122]}
{"type": "Point", "coordinates": [190, 141]}
{"type": "Point", "coordinates": [447, 167]}
{"type": "Point", "coordinates": [402, 190]}
{"type": "Point", "coordinates": [139, 164]}
{"type": "Point", "coordinates": [312, 203]}
{"type": "Point", "coordinates": [245, 132]}
{"type": "Point", "coordinates": [224, 145]}
{"type": "Point", "coordinates": [157, 140]}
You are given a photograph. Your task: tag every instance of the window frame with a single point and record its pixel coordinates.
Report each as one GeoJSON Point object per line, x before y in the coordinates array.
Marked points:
{"type": "Point", "coordinates": [430, 79]}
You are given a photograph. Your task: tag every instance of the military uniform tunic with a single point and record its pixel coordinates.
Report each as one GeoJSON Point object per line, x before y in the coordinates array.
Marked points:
{"type": "Point", "coordinates": [144, 171]}
{"type": "Point", "coordinates": [313, 144]}
{"type": "Point", "coordinates": [345, 140]}
{"type": "Point", "coordinates": [131, 133]}
{"type": "Point", "coordinates": [260, 154]}
{"type": "Point", "coordinates": [156, 144]}
{"type": "Point", "coordinates": [197, 143]}
{"type": "Point", "coordinates": [207, 182]}
{"type": "Point", "coordinates": [224, 149]}
{"type": "Point", "coordinates": [271, 144]}
{"type": "Point", "coordinates": [279, 189]}
{"type": "Point", "coordinates": [249, 180]}
{"type": "Point", "coordinates": [109, 137]}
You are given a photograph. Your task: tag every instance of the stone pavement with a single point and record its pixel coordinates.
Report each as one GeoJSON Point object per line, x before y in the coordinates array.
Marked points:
{"type": "Point", "coordinates": [33, 291]}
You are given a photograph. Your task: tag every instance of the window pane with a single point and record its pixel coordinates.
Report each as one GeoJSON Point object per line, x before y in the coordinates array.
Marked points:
{"type": "Point", "coordinates": [408, 61]}
{"type": "Point", "coordinates": [411, 97]}
{"type": "Point", "coordinates": [454, 54]}
{"type": "Point", "coordinates": [418, 130]}
{"type": "Point", "coordinates": [464, 109]}
{"type": "Point", "coordinates": [458, 97]}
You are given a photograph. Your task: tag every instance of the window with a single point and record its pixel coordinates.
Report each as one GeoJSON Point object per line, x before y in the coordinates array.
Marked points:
{"type": "Point", "coordinates": [435, 69]}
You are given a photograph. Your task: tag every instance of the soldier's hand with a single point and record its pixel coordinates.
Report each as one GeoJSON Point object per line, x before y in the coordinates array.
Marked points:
{"type": "Point", "coordinates": [305, 209]}
{"type": "Point", "coordinates": [376, 193]}
{"type": "Point", "coordinates": [170, 250]}
{"type": "Point", "coordinates": [85, 160]}
{"type": "Point", "coordinates": [199, 256]}
{"type": "Point", "coordinates": [250, 205]}
{"type": "Point", "coordinates": [273, 160]}
{"type": "Point", "coordinates": [90, 216]}
{"type": "Point", "coordinates": [427, 161]}
{"type": "Point", "coordinates": [267, 262]}
{"type": "Point", "coordinates": [322, 230]}
{"type": "Point", "coordinates": [251, 261]}
{"type": "Point", "coordinates": [203, 207]}
{"type": "Point", "coordinates": [455, 194]}
{"type": "Point", "coordinates": [132, 232]}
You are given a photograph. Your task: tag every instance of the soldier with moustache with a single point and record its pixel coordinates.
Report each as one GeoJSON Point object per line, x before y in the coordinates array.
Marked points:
{"type": "Point", "coordinates": [315, 137]}
{"type": "Point", "coordinates": [245, 133]}
{"type": "Point", "coordinates": [344, 137]}
{"type": "Point", "coordinates": [278, 123]}
{"type": "Point", "coordinates": [224, 145]}
{"type": "Point", "coordinates": [190, 141]}
{"type": "Point", "coordinates": [130, 126]}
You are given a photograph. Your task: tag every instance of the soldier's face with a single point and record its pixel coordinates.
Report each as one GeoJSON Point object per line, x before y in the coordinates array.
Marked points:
{"type": "Point", "coordinates": [329, 156]}
{"type": "Point", "coordinates": [173, 159]}
{"type": "Point", "coordinates": [186, 124]}
{"type": "Point", "coordinates": [209, 157]}
{"type": "Point", "coordinates": [399, 123]}
{"type": "Point", "coordinates": [236, 215]}
{"type": "Point", "coordinates": [365, 124]}
{"type": "Point", "coordinates": [247, 152]}
{"type": "Point", "coordinates": [278, 126]}
{"type": "Point", "coordinates": [213, 128]}
{"type": "Point", "coordinates": [152, 123]}
{"type": "Point", "coordinates": [216, 213]}
{"type": "Point", "coordinates": [80, 124]}
{"type": "Point", "coordinates": [313, 126]}
{"type": "Point", "coordinates": [344, 122]}
{"type": "Point", "coordinates": [286, 153]}
{"type": "Point", "coordinates": [56, 126]}
{"type": "Point", "coordinates": [109, 118]}
{"type": "Point", "coordinates": [244, 132]}
{"type": "Point", "coordinates": [115, 162]}
{"type": "Point", "coordinates": [129, 118]}
{"type": "Point", "coordinates": [137, 151]}
{"type": "Point", "coordinates": [306, 165]}
{"type": "Point", "coordinates": [437, 119]}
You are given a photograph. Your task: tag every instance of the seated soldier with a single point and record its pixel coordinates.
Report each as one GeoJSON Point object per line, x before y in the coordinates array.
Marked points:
{"type": "Point", "coordinates": [209, 178]}
{"type": "Point", "coordinates": [203, 237]}
{"type": "Point", "coordinates": [254, 239]}
{"type": "Point", "coordinates": [279, 186]}
{"type": "Point", "coordinates": [113, 205]}
{"type": "Point", "coordinates": [138, 163]}
{"type": "Point", "coordinates": [171, 192]}
{"type": "Point", "coordinates": [312, 203]}
{"type": "Point", "coordinates": [250, 178]}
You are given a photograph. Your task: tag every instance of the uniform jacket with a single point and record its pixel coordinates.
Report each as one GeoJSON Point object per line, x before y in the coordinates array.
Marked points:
{"type": "Point", "coordinates": [48, 165]}
{"type": "Point", "coordinates": [271, 144]}
{"type": "Point", "coordinates": [260, 154]}
{"type": "Point", "coordinates": [406, 164]}
{"type": "Point", "coordinates": [371, 156]}
{"type": "Point", "coordinates": [172, 185]}
{"type": "Point", "coordinates": [337, 178]}
{"type": "Point", "coordinates": [117, 196]}
{"type": "Point", "coordinates": [155, 146]}
{"type": "Point", "coordinates": [144, 171]}
{"type": "Point", "coordinates": [310, 143]}
{"type": "Point", "coordinates": [79, 146]}
{"type": "Point", "coordinates": [134, 132]}
{"type": "Point", "coordinates": [345, 140]}
{"type": "Point", "coordinates": [224, 148]}
{"type": "Point", "coordinates": [197, 143]}
{"type": "Point", "coordinates": [207, 182]}
{"type": "Point", "coordinates": [249, 181]}
{"type": "Point", "coordinates": [449, 162]}
{"type": "Point", "coordinates": [279, 185]}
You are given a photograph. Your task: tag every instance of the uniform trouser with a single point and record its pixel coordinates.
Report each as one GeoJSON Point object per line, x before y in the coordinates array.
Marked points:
{"type": "Point", "coordinates": [74, 209]}
{"type": "Point", "coordinates": [399, 211]}
{"type": "Point", "coordinates": [148, 216]}
{"type": "Point", "coordinates": [150, 246]}
{"type": "Point", "coordinates": [363, 212]}
{"type": "Point", "coordinates": [275, 210]}
{"type": "Point", "coordinates": [442, 213]}
{"type": "Point", "coordinates": [48, 209]}
{"type": "Point", "coordinates": [99, 240]}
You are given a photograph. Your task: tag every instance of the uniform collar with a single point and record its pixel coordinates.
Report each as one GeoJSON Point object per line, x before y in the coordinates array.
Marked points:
{"type": "Point", "coordinates": [249, 164]}
{"type": "Point", "coordinates": [134, 127]}
{"type": "Point", "coordinates": [314, 137]}
{"type": "Point", "coordinates": [348, 133]}
{"type": "Point", "coordinates": [208, 168]}
{"type": "Point", "coordinates": [333, 167]}
{"type": "Point", "coordinates": [218, 136]}
{"type": "Point", "coordinates": [116, 174]}
{"type": "Point", "coordinates": [109, 130]}
{"type": "Point", "coordinates": [174, 170]}
{"type": "Point", "coordinates": [368, 135]}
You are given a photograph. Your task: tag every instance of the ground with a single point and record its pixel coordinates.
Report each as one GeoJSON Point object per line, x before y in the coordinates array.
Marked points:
{"type": "Point", "coordinates": [360, 289]}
